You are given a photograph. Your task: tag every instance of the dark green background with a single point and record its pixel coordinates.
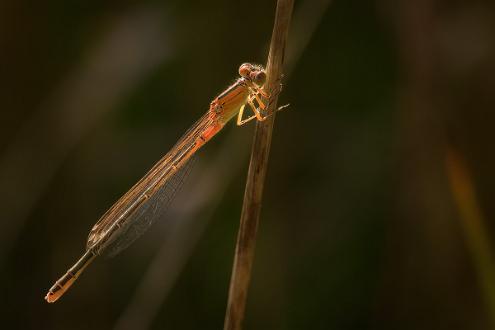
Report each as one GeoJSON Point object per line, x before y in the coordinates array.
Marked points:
{"type": "Point", "coordinates": [358, 229]}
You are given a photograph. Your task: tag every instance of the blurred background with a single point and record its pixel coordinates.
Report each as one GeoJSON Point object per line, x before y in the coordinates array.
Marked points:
{"type": "Point", "coordinates": [378, 206]}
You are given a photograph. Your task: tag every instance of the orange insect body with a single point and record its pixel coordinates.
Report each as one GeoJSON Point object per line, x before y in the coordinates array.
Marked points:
{"type": "Point", "coordinates": [112, 232]}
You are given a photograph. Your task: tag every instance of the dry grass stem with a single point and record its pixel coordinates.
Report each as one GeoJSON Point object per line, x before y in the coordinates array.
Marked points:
{"type": "Point", "coordinates": [246, 239]}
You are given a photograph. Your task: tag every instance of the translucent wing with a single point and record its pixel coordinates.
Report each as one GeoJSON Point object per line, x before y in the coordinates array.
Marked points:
{"type": "Point", "coordinates": [148, 196]}
{"type": "Point", "coordinates": [143, 217]}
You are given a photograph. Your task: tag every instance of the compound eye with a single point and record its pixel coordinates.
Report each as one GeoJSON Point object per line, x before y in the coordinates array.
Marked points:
{"type": "Point", "coordinates": [245, 69]}
{"type": "Point", "coordinates": [259, 78]}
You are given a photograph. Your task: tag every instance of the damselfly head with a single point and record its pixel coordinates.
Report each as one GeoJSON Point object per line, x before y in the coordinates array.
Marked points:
{"type": "Point", "coordinates": [253, 72]}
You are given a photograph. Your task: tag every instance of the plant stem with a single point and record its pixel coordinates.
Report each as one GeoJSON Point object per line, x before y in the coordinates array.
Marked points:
{"type": "Point", "coordinates": [246, 239]}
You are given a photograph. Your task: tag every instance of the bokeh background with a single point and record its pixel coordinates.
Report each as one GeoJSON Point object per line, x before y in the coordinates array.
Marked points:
{"type": "Point", "coordinates": [378, 209]}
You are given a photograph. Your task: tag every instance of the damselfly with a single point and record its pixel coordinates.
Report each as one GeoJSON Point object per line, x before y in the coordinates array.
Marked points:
{"type": "Point", "coordinates": [134, 212]}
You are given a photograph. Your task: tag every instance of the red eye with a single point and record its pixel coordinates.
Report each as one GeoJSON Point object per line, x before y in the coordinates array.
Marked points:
{"type": "Point", "coordinates": [259, 78]}
{"type": "Point", "coordinates": [245, 69]}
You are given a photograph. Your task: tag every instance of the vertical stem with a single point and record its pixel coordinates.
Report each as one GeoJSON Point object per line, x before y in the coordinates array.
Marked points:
{"type": "Point", "coordinates": [246, 239]}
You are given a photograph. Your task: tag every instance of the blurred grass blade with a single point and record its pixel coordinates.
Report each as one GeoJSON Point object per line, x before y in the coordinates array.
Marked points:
{"type": "Point", "coordinates": [472, 223]}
